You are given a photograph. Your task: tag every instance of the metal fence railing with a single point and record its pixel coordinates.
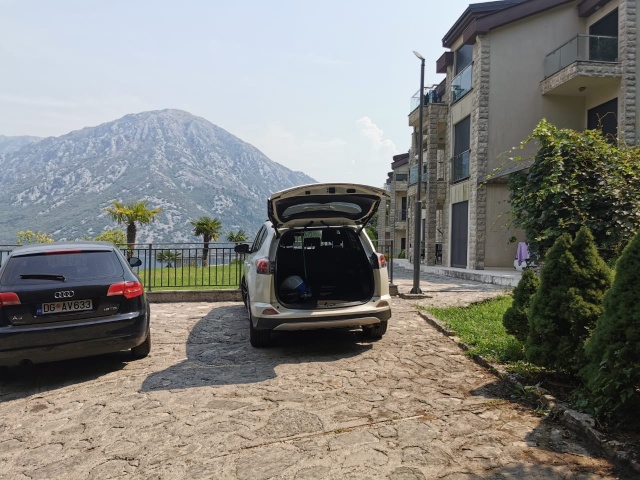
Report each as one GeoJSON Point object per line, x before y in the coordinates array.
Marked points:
{"type": "Point", "coordinates": [169, 266]}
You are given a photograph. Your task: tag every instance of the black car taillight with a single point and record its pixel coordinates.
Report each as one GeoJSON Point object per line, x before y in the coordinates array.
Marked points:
{"type": "Point", "coordinates": [126, 289]}
{"type": "Point", "coordinates": [9, 298]}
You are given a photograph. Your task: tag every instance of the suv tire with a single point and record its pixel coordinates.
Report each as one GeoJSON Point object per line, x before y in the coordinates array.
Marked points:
{"type": "Point", "coordinates": [257, 338]}
{"type": "Point", "coordinates": [375, 332]}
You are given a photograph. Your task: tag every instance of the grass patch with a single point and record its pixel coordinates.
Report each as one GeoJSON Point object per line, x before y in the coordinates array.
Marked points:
{"type": "Point", "coordinates": [193, 277]}
{"type": "Point", "coordinates": [480, 326]}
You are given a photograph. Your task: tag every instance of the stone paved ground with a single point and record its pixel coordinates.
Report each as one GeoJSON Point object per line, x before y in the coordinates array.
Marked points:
{"type": "Point", "coordinates": [318, 405]}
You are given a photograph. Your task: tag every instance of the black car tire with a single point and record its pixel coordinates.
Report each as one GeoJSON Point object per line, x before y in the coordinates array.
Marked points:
{"type": "Point", "coordinates": [257, 338]}
{"type": "Point", "coordinates": [143, 349]}
{"type": "Point", "coordinates": [376, 331]}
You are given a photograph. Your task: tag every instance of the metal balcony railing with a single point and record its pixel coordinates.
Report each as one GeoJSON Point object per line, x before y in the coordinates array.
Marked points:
{"type": "Point", "coordinates": [460, 167]}
{"type": "Point", "coordinates": [594, 48]}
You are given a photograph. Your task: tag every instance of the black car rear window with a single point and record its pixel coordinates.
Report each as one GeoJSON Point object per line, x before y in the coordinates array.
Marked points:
{"type": "Point", "coordinates": [88, 265]}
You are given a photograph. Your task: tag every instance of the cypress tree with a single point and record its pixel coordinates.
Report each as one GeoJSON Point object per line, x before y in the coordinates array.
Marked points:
{"type": "Point", "coordinates": [549, 313]}
{"type": "Point", "coordinates": [515, 319]}
{"type": "Point", "coordinates": [592, 281]}
{"type": "Point", "coordinates": [568, 304]}
{"type": "Point", "coordinates": [612, 376]}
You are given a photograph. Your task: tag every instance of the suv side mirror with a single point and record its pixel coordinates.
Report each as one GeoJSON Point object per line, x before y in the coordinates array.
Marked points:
{"type": "Point", "coordinates": [242, 248]}
{"type": "Point", "coordinates": [135, 262]}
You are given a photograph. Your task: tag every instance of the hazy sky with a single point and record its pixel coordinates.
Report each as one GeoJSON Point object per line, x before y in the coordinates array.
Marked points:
{"type": "Point", "coordinates": [321, 87]}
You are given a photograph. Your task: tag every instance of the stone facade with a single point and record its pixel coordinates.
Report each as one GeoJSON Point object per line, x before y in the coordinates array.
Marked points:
{"type": "Point", "coordinates": [479, 153]}
{"type": "Point", "coordinates": [627, 37]}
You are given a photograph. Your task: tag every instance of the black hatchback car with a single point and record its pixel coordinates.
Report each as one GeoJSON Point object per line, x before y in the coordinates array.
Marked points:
{"type": "Point", "coordinates": [70, 299]}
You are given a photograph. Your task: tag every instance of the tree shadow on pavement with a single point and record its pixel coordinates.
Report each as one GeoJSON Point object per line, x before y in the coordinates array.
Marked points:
{"type": "Point", "coordinates": [219, 353]}
{"type": "Point", "coordinates": [549, 435]}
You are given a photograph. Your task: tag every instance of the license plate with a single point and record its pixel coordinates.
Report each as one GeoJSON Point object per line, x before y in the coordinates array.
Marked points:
{"type": "Point", "coordinates": [67, 306]}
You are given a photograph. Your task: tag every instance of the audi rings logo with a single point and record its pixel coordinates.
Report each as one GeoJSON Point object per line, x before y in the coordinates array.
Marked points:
{"type": "Point", "coordinates": [65, 294]}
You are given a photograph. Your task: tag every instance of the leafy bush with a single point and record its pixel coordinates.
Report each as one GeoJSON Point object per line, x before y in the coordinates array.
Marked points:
{"type": "Point", "coordinates": [402, 254]}
{"type": "Point", "coordinates": [577, 178]}
{"type": "Point", "coordinates": [567, 304]}
{"type": "Point", "coordinates": [612, 375]}
{"type": "Point", "coordinates": [515, 319]}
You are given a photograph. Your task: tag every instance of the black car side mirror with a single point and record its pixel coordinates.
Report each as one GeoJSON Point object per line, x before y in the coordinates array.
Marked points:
{"type": "Point", "coordinates": [242, 248]}
{"type": "Point", "coordinates": [135, 262]}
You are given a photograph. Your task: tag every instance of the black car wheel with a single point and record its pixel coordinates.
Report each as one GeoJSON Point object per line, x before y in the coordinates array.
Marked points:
{"type": "Point", "coordinates": [376, 331]}
{"type": "Point", "coordinates": [143, 349]}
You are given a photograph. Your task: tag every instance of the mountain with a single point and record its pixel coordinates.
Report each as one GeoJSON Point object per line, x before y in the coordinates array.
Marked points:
{"type": "Point", "coordinates": [11, 144]}
{"type": "Point", "coordinates": [178, 162]}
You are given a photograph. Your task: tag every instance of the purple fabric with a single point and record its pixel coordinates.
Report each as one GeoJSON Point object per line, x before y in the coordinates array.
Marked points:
{"type": "Point", "coordinates": [522, 255]}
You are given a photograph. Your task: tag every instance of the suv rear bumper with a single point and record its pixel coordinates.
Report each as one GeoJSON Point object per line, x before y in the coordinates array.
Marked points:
{"type": "Point", "coordinates": [280, 323]}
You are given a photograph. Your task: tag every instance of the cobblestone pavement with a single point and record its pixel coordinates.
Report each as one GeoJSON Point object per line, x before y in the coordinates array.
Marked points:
{"type": "Point", "coordinates": [318, 405]}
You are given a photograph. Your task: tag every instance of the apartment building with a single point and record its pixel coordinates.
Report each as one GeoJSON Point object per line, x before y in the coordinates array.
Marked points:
{"type": "Point", "coordinates": [509, 64]}
{"type": "Point", "coordinates": [392, 217]}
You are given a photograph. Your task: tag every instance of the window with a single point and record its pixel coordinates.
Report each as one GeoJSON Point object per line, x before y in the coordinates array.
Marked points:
{"type": "Point", "coordinates": [464, 57]}
{"type": "Point", "coordinates": [461, 146]}
{"type": "Point", "coordinates": [604, 117]}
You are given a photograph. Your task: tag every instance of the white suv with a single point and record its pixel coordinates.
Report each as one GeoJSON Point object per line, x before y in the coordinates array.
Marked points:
{"type": "Point", "coordinates": [313, 266]}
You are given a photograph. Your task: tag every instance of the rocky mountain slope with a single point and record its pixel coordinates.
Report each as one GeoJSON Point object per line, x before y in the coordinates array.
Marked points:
{"type": "Point", "coordinates": [180, 163]}
{"type": "Point", "coordinates": [11, 144]}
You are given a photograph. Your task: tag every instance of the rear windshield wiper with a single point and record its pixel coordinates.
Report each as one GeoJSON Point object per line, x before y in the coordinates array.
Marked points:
{"type": "Point", "coordinates": [42, 276]}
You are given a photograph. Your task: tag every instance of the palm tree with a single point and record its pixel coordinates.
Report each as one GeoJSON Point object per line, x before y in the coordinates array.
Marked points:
{"type": "Point", "coordinates": [237, 237]}
{"type": "Point", "coordinates": [209, 229]}
{"type": "Point", "coordinates": [167, 256]}
{"type": "Point", "coordinates": [130, 214]}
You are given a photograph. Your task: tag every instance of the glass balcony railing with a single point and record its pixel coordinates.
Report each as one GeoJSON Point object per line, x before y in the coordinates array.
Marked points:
{"type": "Point", "coordinates": [413, 176]}
{"type": "Point", "coordinates": [461, 83]}
{"type": "Point", "coordinates": [401, 215]}
{"type": "Point", "coordinates": [431, 95]}
{"type": "Point", "coordinates": [460, 167]}
{"type": "Point", "coordinates": [594, 48]}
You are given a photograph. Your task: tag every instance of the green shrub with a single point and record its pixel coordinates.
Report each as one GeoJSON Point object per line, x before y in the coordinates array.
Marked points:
{"type": "Point", "coordinates": [515, 319]}
{"type": "Point", "coordinates": [612, 376]}
{"type": "Point", "coordinates": [567, 304]}
{"type": "Point", "coordinates": [402, 254]}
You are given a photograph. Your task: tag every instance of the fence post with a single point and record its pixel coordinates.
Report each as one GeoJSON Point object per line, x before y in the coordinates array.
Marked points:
{"type": "Point", "coordinates": [149, 259]}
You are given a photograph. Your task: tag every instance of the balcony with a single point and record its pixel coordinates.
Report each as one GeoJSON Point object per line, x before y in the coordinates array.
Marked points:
{"type": "Point", "coordinates": [583, 64]}
{"type": "Point", "coordinates": [432, 94]}
{"type": "Point", "coordinates": [413, 176]}
{"type": "Point", "coordinates": [460, 167]}
{"type": "Point", "coordinates": [433, 98]}
{"type": "Point", "coordinates": [461, 83]}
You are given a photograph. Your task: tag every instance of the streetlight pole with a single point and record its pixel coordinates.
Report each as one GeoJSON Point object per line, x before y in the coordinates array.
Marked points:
{"type": "Point", "coordinates": [417, 222]}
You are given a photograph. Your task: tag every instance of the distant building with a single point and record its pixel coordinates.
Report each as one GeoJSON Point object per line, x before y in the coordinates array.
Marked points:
{"type": "Point", "coordinates": [392, 217]}
{"type": "Point", "coordinates": [509, 64]}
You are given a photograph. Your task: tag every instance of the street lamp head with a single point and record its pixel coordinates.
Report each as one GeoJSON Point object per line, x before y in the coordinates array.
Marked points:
{"type": "Point", "coordinates": [417, 54]}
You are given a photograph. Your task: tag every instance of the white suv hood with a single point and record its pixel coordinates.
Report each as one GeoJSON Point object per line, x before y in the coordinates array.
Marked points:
{"type": "Point", "coordinates": [324, 204]}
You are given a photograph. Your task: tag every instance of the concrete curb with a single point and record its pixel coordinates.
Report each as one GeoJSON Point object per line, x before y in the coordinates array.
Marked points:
{"type": "Point", "coordinates": [579, 423]}
{"type": "Point", "coordinates": [175, 296]}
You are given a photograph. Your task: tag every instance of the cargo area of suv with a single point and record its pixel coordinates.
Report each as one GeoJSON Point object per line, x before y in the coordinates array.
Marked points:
{"type": "Point", "coordinates": [313, 266]}
{"type": "Point", "coordinates": [323, 268]}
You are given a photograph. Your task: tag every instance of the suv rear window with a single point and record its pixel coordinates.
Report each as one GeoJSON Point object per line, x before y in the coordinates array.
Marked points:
{"type": "Point", "coordinates": [87, 265]}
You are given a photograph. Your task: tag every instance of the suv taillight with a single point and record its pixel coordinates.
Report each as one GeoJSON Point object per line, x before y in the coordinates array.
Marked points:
{"type": "Point", "coordinates": [378, 260]}
{"type": "Point", "coordinates": [262, 266]}
{"type": "Point", "coordinates": [127, 289]}
{"type": "Point", "coordinates": [8, 298]}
